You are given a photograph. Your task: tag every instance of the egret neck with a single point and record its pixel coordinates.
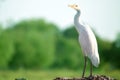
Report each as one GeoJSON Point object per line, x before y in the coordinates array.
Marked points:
{"type": "Point", "coordinates": [76, 21]}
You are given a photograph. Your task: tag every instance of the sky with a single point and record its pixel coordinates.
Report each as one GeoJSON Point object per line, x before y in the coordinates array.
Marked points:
{"type": "Point", "coordinates": [102, 15]}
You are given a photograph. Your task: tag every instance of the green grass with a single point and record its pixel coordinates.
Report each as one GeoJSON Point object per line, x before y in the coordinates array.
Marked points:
{"type": "Point", "coordinates": [50, 74]}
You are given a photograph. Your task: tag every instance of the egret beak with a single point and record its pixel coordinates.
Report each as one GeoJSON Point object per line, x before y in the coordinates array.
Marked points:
{"type": "Point", "coordinates": [72, 6]}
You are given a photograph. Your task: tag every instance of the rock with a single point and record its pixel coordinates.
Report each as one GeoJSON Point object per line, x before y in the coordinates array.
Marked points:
{"type": "Point", "coordinates": [94, 77]}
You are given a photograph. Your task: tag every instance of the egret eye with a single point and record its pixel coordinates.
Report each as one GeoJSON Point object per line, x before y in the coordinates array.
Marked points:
{"type": "Point", "coordinates": [76, 5]}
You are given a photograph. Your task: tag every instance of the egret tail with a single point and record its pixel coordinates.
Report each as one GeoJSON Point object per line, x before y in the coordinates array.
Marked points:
{"type": "Point", "coordinates": [95, 60]}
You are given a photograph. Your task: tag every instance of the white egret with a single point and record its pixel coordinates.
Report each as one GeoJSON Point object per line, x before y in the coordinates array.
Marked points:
{"type": "Point", "coordinates": [87, 41]}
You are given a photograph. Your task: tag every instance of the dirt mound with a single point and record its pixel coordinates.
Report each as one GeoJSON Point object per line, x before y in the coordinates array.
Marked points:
{"type": "Point", "coordinates": [95, 77]}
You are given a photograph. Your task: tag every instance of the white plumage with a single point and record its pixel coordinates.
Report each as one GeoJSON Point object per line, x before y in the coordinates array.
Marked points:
{"type": "Point", "coordinates": [87, 39]}
{"type": "Point", "coordinates": [88, 44]}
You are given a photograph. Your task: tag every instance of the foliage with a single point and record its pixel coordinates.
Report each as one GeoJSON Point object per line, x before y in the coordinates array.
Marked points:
{"type": "Point", "coordinates": [6, 50]}
{"type": "Point", "coordinates": [34, 44]}
{"type": "Point", "coordinates": [68, 54]}
{"type": "Point", "coordinates": [71, 33]}
{"type": "Point", "coordinates": [104, 46]}
{"type": "Point", "coordinates": [114, 53]}
{"type": "Point", "coordinates": [38, 44]}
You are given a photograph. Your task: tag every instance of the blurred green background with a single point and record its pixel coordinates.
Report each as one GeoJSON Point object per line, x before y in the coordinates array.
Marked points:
{"type": "Point", "coordinates": [37, 49]}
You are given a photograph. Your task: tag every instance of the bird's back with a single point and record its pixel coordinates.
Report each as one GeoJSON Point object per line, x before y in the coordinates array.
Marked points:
{"type": "Point", "coordinates": [89, 44]}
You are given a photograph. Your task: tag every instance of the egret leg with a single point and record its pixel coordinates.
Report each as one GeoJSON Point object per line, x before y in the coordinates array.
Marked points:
{"type": "Point", "coordinates": [85, 58]}
{"type": "Point", "coordinates": [91, 68]}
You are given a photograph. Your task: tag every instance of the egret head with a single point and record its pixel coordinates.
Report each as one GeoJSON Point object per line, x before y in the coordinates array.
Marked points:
{"type": "Point", "coordinates": [74, 6]}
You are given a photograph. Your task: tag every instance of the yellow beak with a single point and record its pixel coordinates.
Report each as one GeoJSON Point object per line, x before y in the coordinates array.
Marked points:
{"type": "Point", "coordinates": [72, 6]}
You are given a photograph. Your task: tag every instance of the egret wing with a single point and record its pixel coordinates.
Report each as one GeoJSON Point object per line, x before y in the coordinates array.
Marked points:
{"type": "Point", "coordinates": [89, 45]}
